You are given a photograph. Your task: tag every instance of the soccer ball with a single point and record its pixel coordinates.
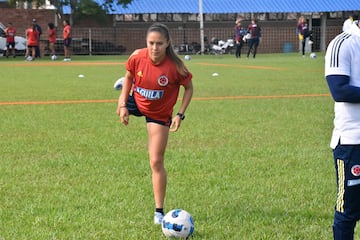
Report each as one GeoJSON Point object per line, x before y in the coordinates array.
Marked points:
{"type": "Point", "coordinates": [178, 223]}
{"type": "Point", "coordinates": [119, 83]}
{"type": "Point", "coordinates": [312, 55]}
{"type": "Point", "coordinates": [53, 57]}
{"type": "Point", "coordinates": [187, 57]}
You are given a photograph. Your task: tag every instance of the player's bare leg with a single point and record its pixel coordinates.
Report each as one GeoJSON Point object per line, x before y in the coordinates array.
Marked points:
{"type": "Point", "coordinates": [33, 53]}
{"type": "Point", "coordinates": [158, 137]}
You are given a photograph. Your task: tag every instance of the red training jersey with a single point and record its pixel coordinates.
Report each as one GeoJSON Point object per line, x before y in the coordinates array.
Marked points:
{"type": "Point", "coordinates": [67, 32]}
{"type": "Point", "coordinates": [302, 28]}
{"type": "Point", "coordinates": [10, 33]}
{"type": "Point", "coordinates": [254, 30]}
{"type": "Point", "coordinates": [32, 37]}
{"type": "Point", "coordinates": [52, 35]}
{"type": "Point", "coordinates": [156, 87]}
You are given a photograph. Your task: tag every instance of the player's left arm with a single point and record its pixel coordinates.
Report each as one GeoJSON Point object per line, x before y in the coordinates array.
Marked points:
{"type": "Point", "coordinates": [341, 90]}
{"type": "Point", "coordinates": [186, 99]}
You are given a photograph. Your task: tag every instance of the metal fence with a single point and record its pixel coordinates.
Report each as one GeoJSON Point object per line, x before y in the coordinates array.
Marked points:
{"type": "Point", "coordinates": [90, 41]}
{"type": "Point", "coordinates": [124, 40]}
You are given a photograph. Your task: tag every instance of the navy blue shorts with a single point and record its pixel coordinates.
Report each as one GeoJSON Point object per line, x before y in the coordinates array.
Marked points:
{"type": "Point", "coordinates": [347, 208]}
{"type": "Point", "coordinates": [67, 42]}
{"type": "Point", "coordinates": [10, 45]}
{"type": "Point", "coordinates": [133, 110]}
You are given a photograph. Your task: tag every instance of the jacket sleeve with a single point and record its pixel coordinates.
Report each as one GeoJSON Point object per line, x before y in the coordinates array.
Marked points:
{"type": "Point", "coordinates": [341, 90]}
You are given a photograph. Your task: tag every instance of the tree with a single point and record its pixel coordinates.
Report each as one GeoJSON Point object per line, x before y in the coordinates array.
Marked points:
{"type": "Point", "coordinates": [109, 3]}
{"type": "Point", "coordinates": [78, 7]}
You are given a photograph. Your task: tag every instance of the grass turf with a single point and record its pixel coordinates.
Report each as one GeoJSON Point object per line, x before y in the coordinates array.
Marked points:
{"type": "Point", "coordinates": [251, 160]}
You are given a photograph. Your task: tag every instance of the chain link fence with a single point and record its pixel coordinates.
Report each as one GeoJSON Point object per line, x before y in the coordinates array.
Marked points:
{"type": "Point", "coordinates": [89, 41]}
{"type": "Point", "coordinates": [124, 40]}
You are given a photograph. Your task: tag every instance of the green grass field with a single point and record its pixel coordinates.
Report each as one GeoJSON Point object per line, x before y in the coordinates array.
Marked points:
{"type": "Point", "coordinates": [251, 160]}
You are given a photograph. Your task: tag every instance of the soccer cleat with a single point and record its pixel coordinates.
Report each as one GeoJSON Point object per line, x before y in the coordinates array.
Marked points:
{"type": "Point", "coordinates": [158, 217]}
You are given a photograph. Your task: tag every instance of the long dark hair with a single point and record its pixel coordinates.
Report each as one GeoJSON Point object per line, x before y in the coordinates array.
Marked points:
{"type": "Point", "coordinates": [163, 30]}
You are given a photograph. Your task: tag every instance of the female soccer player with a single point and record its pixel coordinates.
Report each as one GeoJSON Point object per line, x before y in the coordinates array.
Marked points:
{"type": "Point", "coordinates": [153, 78]}
{"type": "Point", "coordinates": [67, 40]}
{"type": "Point", "coordinates": [303, 33]}
{"type": "Point", "coordinates": [32, 36]}
{"type": "Point", "coordinates": [52, 39]}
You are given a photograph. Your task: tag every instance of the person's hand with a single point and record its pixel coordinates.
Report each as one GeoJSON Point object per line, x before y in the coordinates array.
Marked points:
{"type": "Point", "coordinates": [175, 124]}
{"type": "Point", "coordinates": [123, 113]}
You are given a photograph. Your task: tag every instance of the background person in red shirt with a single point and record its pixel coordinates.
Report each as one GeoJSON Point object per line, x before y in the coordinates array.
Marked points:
{"type": "Point", "coordinates": [304, 32]}
{"type": "Point", "coordinates": [39, 30]}
{"type": "Point", "coordinates": [32, 36]}
{"type": "Point", "coordinates": [10, 33]}
{"type": "Point", "coordinates": [239, 35]}
{"type": "Point", "coordinates": [67, 40]}
{"type": "Point", "coordinates": [255, 35]}
{"type": "Point", "coordinates": [52, 39]}
{"type": "Point", "coordinates": [155, 74]}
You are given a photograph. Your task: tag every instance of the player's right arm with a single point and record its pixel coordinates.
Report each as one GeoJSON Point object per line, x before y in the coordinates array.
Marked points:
{"type": "Point", "coordinates": [122, 111]}
{"type": "Point", "coordinates": [338, 62]}
{"type": "Point", "coordinates": [341, 90]}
